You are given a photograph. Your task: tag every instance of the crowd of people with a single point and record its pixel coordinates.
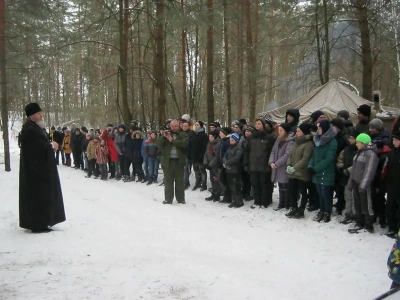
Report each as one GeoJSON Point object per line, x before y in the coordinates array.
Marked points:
{"type": "Point", "coordinates": [310, 163]}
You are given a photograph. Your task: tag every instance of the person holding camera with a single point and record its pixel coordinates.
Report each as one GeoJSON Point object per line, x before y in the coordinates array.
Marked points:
{"type": "Point", "coordinates": [173, 144]}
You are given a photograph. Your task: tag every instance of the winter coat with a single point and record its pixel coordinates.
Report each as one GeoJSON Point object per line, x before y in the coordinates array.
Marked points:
{"type": "Point", "coordinates": [151, 149]}
{"type": "Point", "coordinates": [323, 159]}
{"type": "Point", "coordinates": [296, 114]}
{"type": "Point", "coordinates": [300, 156]}
{"type": "Point", "coordinates": [180, 141]}
{"type": "Point", "coordinates": [279, 156]}
{"type": "Point", "coordinates": [381, 139]}
{"type": "Point", "coordinates": [57, 137]}
{"type": "Point", "coordinates": [349, 126]}
{"type": "Point", "coordinates": [40, 196]}
{"type": "Point", "coordinates": [211, 156]}
{"type": "Point", "coordinates": [197, 146]}
{"type": "Point", "coordinates": [365, 163]}
{"type": "Point", "coordinates": [119, 142]}
{"type": "Point", "coordinates": [90, 150]}
{"type": "Point", "coordinates": [79, 141]}
{"type": "Point", "coordinates": [66, 144]}
{"type": "Point", "coordinates": [258, 151]}
{"type": "Point", "coordinates": [134, 148]}
{"type": "Point", "coordinates": [112, 152]}
{"type": "Point", "coordinates": [224, 146]}
{"type": "Point", "coordinates": [232, 159]}
{"type": "Point", "coordinates": [85, 145]}
{"type": "Point", "coordinates": [342, 140]}
{"type": "Point", "coordinates": [345, 162]}
{"type": "Point", "coordinates": [391, 171]}
{"type": "Point", "coordinates": [362, 127]}
{"type": "Point", "coordinates": [101, 154]}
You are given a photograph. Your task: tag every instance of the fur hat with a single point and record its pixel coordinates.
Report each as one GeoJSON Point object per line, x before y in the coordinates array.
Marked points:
{"type": "Point", "coordinates": [376, 123]}
{"type": "Point", "coordinates": [226, 130]}
{"type": "Point", "coordinates": [343, 114]}
{"type": "Point", "coordinates": [31, 109]}
{"type": "Point", "coordinates": [363, 138]}
{"type": "Point", "coordinates": [305, 128]}
{"type": "Point", "coordinates": [214, 133]}
{"type": "Point", "coordinates": [338, 123]}
{"type": "Point", "coordinates": [235, 137]}
{"type": "Point", "coordinates": [396, 135]}
{"type": "Point", "coordinates": [315, 115]}
{"type": "Point", "coordinates": [365, 110]}
{"type": "Point", "coordinates": [325, 125]}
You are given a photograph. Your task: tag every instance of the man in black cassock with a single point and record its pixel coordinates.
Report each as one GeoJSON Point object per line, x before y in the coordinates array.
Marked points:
{"type": "Point", "coordinates": [40, 198]}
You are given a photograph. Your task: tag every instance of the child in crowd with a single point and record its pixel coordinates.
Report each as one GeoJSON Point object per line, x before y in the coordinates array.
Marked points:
{"type": "Point", "coordinates": [152, 153]}
{"type": "Point", "coordinates": [211, 163]}
{"type": "Point", "coordinates": [344, 165]}
{"type": "Point", "coordinates": [90, 153]}
{"type": "Point", "coordinates": [224, 135]}
{"type": "Point", "coordinates": [365, 163]}
{"type": "Point", "coordinates": [101, 154]}
{"type": "Point", "coordinates": [231, 163]}
{"type": "Point", "coordinates": [278, 159]}
{"type": "Point", "coordinates": [67, 148]}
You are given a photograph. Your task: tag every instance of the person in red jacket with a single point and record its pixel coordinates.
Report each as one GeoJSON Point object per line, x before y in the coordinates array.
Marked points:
{"type": "Point", "coordinates": [107, 136]}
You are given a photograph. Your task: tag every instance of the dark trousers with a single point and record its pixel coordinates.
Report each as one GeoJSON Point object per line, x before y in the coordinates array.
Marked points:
{"type": "Point", "coordinates": [341, 202]}
{"type": "Point", "coordinates": [58, 157]}
{"type": "Point", "coordinates": [325, 198]}
{"type": "Point", "coordinates": [214, 179]}
{"type": "Point", "coordinates": [313, 196]}
{"type": "Point", "coordinates": [173, 175]}
{"type": "Point", "coordinates": [246, 183]}
{"type": "Point", "coordinates": [379, 203]}
{"type": "Point", "coordinates": [393, 210]}
{"type": "Point", "coordinates": [122, 165]}
{"type": "Point", "coordinates": [103, 171]}
{"type": "Point", "coordinates": [93, 168]}
{"type": "Point", "coordinates": [200, 174]}
{"type": "Point", "coordinates": [225, 191]}
{"type": "Point", "coordinates": [78, 159]}
{"type": "Point", "coordinates": [363, 205]}
{"type": "Point", "coordinates": [296, 186]}
{"type": "Point", "coordinates": [262, 188]}
{"type": "Point", "coordinates": [111, 168]}
{"type": "Point", "coordinates": [68, 159]}
{"type": "Point", "coordinates": [235, 186]}
{"type": "Point", "coordinates": [153, 163]}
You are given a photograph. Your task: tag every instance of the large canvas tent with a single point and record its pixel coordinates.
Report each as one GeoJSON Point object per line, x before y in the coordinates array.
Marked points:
{"type": "Point", "coordinates": [330, 98]}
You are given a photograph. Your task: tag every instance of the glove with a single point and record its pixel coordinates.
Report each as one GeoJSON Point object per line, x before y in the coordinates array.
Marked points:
{"type": "Point", "coordinates": [311, 172]}
{"type": "Point", "coordinates": [246, 169]}
{"type": "Point", "coordinates": [290, 170]}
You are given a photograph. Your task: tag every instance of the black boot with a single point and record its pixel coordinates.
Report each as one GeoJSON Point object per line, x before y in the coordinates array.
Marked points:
{"type": "Point", "coordinates": [203, 187]}
{"type": "Point", "coordinates": [347, 220]}
{"type": "Point", "coordinates": [216, 198]}
{"type": "Point", "coordinates": [232, 205]}
{"type": "Point", "coordinates": [167, 202]}
{"type": "Point", "coordinates": [291, 212]}
{"type": "Point", "coordinates": [392, 234]}
{"type": "Point", "coordinates": [326, 218]}
{"type": "Point", "coordinates": [299, 214]}
{"type": "Point", "coordinates": [357, 227]}
{"type": "Point", "coordinates": [196, 186]}
{"type": "Point", "coordinates": [150, 181]}
{"type": "Point", "coordinates": [319, 216]}
{"type": "Point", "coordinates": [210, 198]}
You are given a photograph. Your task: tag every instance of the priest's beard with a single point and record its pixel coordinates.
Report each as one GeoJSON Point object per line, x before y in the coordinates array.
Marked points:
{"type": "Point", "coordinates": [40, 123]}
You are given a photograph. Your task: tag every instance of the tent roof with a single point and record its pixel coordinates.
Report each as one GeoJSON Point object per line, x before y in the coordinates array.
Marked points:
{"type": "Point", "coordinates": [330, 98]}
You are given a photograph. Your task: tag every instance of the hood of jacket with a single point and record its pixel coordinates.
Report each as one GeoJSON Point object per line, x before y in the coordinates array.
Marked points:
{"type": "Point", "coordinates": [295, 113]}
{"type": "Point", "coordinates": [321, 140]}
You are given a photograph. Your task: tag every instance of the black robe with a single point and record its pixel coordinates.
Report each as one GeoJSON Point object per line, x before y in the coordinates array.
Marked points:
{"type": "Point", "coordinates": [40, 197]}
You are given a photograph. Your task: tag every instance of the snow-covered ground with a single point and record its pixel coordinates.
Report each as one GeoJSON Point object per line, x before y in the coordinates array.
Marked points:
{"type": "Point", "coordinates": [121, 242]}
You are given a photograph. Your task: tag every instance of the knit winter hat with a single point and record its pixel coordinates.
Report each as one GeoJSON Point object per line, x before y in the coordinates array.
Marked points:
{"type": "Point", "coordinates": [214, 133]}
{"type": "Point", "coordinates": [286, 127]}
{"type": "Point", "coordinates": [354, 133]}
{"type": "Point", "coordinates": [365, 110]}
{"type": "Point", "coordinates": [338, 123]}
{"type": "Point", "coordinates": [249, 128]}
{"type": "Point", "coordinates": [243, 121]}
{"type": "Point", "coordinates": [396, 135]}
{"type": "Point", "coordinates": [344, 114]}
{"type": "Point", "coordinates": [226, 130]}
{"type": "Point", "coordinates": [121, 126]}
{"type": "Point", "coordinates": [316, 114]}
{"type": "Point", "coordinates": [363, 138]}
{"type": "Point", "coordinates": [237, 123]}
{"type": "Point", "coordinates": [215, 124]}
{"type": "Point", "coordinates": [325, 125]}
{"type": "Point", "coordinates": [305, 128]}
{"type": "Point", "coordinates": [270, 122]}
{"type": "Point", "coordinates": [31, 109]}
{"type": "Point", "coordinates": [235, 137]}
{"type": "Point", "coordinates": [376, 123]}
{"type": "Point", "coordinates": [186, 117]}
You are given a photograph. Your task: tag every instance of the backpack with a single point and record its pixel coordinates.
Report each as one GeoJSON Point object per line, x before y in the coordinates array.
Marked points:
{"type": "Point", "coordinates": [393, 262]}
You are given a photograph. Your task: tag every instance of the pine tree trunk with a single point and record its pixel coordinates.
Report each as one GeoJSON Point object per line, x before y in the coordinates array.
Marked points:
{"type": "Point", "coordinates": [159, 74]}
{"type": "Point", "coordinates": [210, 62]}
{"type": "Point", "coordinates": [3, 82]}
{"type": "Point", "coordinates": [227, 64]}
{"type": "Point", "coordinates": [251, 63]}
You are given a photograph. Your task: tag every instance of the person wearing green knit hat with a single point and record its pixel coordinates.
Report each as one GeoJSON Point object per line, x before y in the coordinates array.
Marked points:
{"type": "Point", "coordinates": [363, 138]}
{"type": "Point", "coordinates": [365, 164]}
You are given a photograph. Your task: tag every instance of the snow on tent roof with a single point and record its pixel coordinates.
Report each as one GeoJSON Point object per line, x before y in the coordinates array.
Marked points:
{"type": "Point", "coordinates": [330, 98]}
